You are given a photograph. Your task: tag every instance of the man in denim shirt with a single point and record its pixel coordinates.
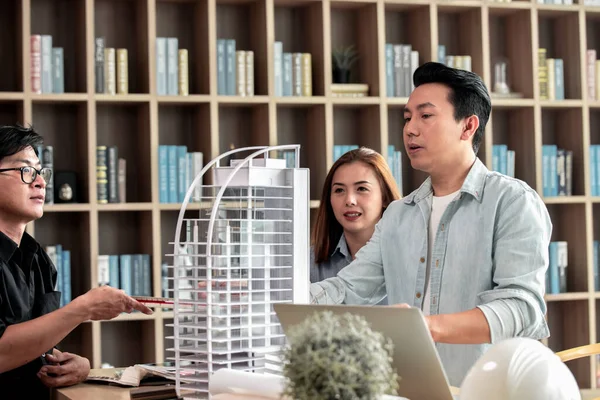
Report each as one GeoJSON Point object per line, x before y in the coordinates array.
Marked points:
{"type": "Point", "coordinates": [469, 247]}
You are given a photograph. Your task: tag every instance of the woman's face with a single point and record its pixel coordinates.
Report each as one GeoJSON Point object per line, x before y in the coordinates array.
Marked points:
{"type": "Point", "coordinates": [356, 197]}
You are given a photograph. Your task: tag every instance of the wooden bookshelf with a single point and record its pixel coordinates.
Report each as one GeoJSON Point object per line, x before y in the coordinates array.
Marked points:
{"type": "Point", "coordinates": [78, 120]}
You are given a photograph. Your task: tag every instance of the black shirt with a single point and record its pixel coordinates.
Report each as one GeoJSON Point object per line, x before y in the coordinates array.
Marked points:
{"type": "Point", "coordinates": [27, 281]}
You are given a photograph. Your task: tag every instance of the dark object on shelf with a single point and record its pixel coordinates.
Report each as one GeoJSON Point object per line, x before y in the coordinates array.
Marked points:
{"type": "Point", "coordinates": [65, 187]}
{"type": "Point", "coordinates": [342, 60]}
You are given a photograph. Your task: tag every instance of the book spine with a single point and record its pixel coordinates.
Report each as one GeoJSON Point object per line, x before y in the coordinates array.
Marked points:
{"type": "Point", "coordinates": [110, 81]}
{"type": "Point", "coordinates": [184, 78]}
{"type": "Point", "coordinates": [221, 68]}
{"type": "Point", "coordinates": [46, 64]}
{"type": "Point", "coordinates": [101, 175]}
{"type": "Point", "coordinates": [122, 180]}
{"type": "Point", "coordinates": [543, 73]}
{"type": "Point", "coordinates": [172, 66]}
{"type": "Point", "coordinates": [122, 72]}
{"type": "Point", "coordinates": [240, 63]}
{"type": "Point", "coordinates": [230, 71]}
{"type": "Point", "coordinates": [66, 277]}
{"type": "Point", "coordinates": [306, 74]}
{"type": "Point", "coordinates": [99, 65]}
{"type": "Point", "coordinates": [161, 66]}
{"type": "Point", "coordinates": [249, 73]}
{"type": "Point", "coordinates": [278, 71]}
{"type": "Point", "coordinates": [591, 77]}
{"type": "Point", "coordinates": [287, 75]}
{"type": "Point", "coordinates": [297, 74]}
{"type": "Point", "coordinates": [113, 185]}
{"type": "Point", "coordinates": [36, 63]}
{"type": "Point", "coordinates": [163, 174]}
{"type": "Point", "coordinates": [58, 77]}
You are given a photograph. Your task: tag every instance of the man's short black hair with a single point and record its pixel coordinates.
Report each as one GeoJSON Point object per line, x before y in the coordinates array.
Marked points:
{"type": "Point", "coordinates": [15, 138]}
{"type": "Point", "coordinates": [468, 93]}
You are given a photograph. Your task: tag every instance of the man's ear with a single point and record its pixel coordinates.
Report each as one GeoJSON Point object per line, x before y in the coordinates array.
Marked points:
{"type": "Point", "coordinates": [470, 126]}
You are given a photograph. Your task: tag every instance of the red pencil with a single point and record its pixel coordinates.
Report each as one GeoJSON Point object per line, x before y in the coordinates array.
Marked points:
{"type": "Point", "coordinates": [159, 300]}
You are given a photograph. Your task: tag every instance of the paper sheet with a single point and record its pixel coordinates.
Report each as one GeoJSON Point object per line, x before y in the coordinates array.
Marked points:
{"type": "Point", "coordinates": [246, 383]}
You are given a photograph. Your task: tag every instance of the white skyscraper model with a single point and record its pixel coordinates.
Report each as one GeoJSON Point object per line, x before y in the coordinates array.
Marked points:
{"type": "Point", "coordinates": [246, 250]}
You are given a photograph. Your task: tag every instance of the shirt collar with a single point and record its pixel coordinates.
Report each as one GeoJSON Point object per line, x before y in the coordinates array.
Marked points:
{"type": "Point", "coordinates": [473, 184]}
{"type": "Point", "coordinates": [8, 246]}
{"type": "Point", "coordinates": [342, 247]}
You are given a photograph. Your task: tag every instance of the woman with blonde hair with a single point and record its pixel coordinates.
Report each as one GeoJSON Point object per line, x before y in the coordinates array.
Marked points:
{"type": "Point", "coordinates": [357, 190]}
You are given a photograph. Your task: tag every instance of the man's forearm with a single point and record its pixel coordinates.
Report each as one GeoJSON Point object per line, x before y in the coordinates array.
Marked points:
{"type": "Point", "coordinates": [467, 327]}
{"type": "Point", "coordinates": [26, 341]}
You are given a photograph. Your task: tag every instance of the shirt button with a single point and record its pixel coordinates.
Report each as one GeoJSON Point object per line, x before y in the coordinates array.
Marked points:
{"type": "Point", "coordinates": [422, 259]}
{"type": "Point", "coordinates": [437, 263]}
{"type": "Point", "coordinates": [418, 295]}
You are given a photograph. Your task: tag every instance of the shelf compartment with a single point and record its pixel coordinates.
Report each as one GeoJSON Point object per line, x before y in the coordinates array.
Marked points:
{"type": "Point", "coordinates": [79, 341]}
{"type": "Point", "coordinates": [127, 126]}
{"type": "Point", "coordinates": [125, 343]}
{"type": "Point", "coordinates": [291, 21]}
{"type": "Point", "coordinates": [64, 20]}
{"type": "Point", "coordinates": [355, 23]}
{"type": "Point", "coordinates": [460, 31]}
{"type": "Point", "coordinates": [407, 25]}
{"type": "Point", "coordinates": [188, 22]}
{"type": "Point", "coordinates": [563, 229]}
{"type": "Point", "coordinates": [242, 126]}
{"type": "Point", "coordinates": [563, 127]}
{"type": "Point", "coordinates": [515, 128]}
{"type": "Point", "coordinates": [569, 327]}
{"type": "Point", "coordinates": [305, 126]}
{"type": "Point", "coordinates": [11, 112]}
{"type": "Point", "coordinates": [11, 28]}
{"type": "Point", "coordinates": [125, 232]}
{"type": "Point", "coordinates": [246, 23]}
{"type": "Point", "coordinates": [558, 33]}
{"type": "Point", "coordinates": [72, 231]}
{"type": "Point", "coordinates": [62, 125]}
{"type": "Point", "coordinates": [510, 41]}
{"type": "Point", "coordinates": [357, 125]}
{"type": "Point", "coordinates": [124, 25]}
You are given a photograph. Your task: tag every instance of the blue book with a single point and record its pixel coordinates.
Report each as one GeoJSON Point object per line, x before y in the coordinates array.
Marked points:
{"type": "Point", "coordinates": [172, 66]}
{"type": "Point", "coordinates": [221, 68]}
{"type": "Point", "coordinates": [553, 269]}
{"type": "Point", "coordinates": [113, 271]}
{"type": "Point", "coordinates": [161, 66]}
{"type": "Point", "coordinates": [126, 273]}
{"type": "Point", "coordinates": [66, 277]}
{"type": "Point", "coordinates": [58, 77]}
{"type": "Point", "coordinates": [181, 172]}
{"type": "Point", "coordinates": [231, 67]}
{"type": "Point", "coordinates": [173, 165]}
{"type": "Point", "coordinates": [593, 170]}
{"type": "Point", "coordinates": [389, 70]}
{"type": "Point", "coordinates": [163, 174]}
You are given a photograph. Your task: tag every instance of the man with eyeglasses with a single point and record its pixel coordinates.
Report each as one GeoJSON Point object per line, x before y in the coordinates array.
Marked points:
{"type": "Point", "coordinates": [31, 322]}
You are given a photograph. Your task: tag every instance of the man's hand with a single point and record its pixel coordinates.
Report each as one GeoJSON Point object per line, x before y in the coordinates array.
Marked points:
{"type": "Point", "coordinates": [69, 369]}
{"type": "Point", "coordinates": [105, 302]}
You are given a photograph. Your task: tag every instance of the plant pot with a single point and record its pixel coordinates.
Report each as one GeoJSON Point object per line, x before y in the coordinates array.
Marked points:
{"type": "Point", "coordinates": [341, 75]}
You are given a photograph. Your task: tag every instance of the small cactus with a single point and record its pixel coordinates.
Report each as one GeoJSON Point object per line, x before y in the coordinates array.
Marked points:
{"type": "Point", "coordinates": [337, 357]}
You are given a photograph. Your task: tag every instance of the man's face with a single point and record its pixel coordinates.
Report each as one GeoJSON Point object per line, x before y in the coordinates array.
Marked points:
{"type": "Point", "coordinates": [21, 202]}
{"type": "Point", "coordinates": [432, 137]}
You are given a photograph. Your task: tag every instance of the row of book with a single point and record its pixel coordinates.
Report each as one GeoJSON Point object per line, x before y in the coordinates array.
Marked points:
{"type": "Point", "coordinates": [177, 169]}
{"type": "Point", "coordinates": [401, 61]}
{"type": "Point", "coordinates": [292, 72]}
{"type": "Point", "coordinates": [556, 277]}
{"type": "Point", "coordinates": [551, 75]}
{"type": "Point", "coordinates": [131, 273]}
{"type": "Point", "coordinates": [47, 65]}
{"type": "Point", "coordinates": [172, 68]}
{"type": "Point", "coordinates": [557, 2]}
{"type": "Point", "coordinates": [111, 67]}
{"type": "Point", "coordinates": [503, 160]}
{"type": "Point", "coordinates": [557, 167]}
{"type": "Point", "coordinates": [235, 69]}
{"type": "Point", "coordinates": [61, 258]}
{"type": "Point", "coordinates": [595, 169]}
{"type": "Point", "coordinates": [592, 67]}
{"type": "Point", "coordinates": [110, 175]}
{"type": "Point", "coordinates": [453, 61]}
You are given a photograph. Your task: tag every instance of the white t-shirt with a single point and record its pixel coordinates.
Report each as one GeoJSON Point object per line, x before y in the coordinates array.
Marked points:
{"type": "Point", "coordinates": [438, 206]}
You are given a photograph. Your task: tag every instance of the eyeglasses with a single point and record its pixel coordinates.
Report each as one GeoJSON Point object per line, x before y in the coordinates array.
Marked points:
{"type": "Point", "coordinates": [29, 174]}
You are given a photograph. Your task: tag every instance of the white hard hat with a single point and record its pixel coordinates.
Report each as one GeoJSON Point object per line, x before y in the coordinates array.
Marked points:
{"type": "Point", "coordinates": [519, 369]}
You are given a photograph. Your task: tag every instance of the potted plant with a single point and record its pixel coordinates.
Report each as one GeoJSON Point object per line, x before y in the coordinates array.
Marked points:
{"type": "Point", "coordinates": [343, 59]}
{"type": "Point", "coordinates": [337, 357]}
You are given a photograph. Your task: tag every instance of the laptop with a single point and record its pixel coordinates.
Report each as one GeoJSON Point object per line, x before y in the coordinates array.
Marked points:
{"type": "Point", "coordinates": [415, 357]}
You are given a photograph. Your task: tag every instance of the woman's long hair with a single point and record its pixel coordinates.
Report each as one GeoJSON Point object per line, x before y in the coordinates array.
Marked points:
{"type": "Point", "coordinates": [328, 230]}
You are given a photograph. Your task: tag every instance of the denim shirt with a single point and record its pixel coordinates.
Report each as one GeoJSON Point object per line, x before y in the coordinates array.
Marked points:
{"type": "Point", "coordinates": [339, 258]}
{"type": "Point", "coordinates": [490, 251]}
